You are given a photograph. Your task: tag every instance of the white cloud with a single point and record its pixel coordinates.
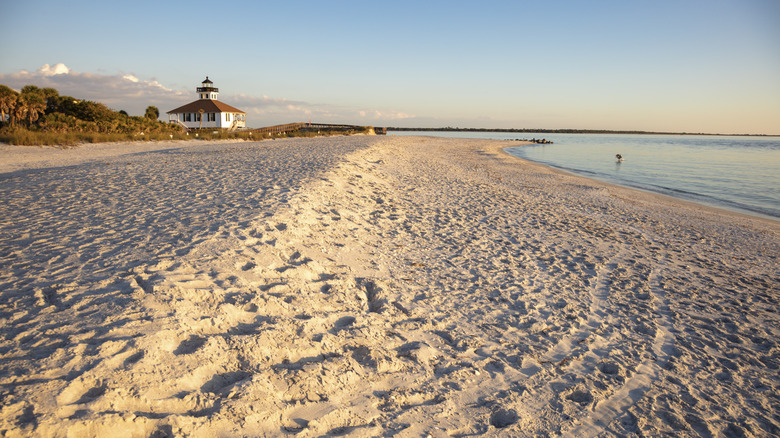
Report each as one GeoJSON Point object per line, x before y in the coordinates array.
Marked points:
{"type": "Point", "coordinates": [158, 85]}
{"type": "Point", "coordinates": [383, 115]}
{"type": "Point", "coordinates": [246, 101]}
{"type": "Point", "coordinates": [58, 69]}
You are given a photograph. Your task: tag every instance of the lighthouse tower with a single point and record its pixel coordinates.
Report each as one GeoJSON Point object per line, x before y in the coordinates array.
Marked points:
{"type": "Point", "coordinates": [207, 90]}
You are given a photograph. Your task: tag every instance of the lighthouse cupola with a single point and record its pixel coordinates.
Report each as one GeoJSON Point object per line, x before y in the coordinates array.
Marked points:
{"type": "Point", "coordinates": [207, 90]}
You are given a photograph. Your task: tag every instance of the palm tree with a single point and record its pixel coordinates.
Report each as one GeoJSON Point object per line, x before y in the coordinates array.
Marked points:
{"type": "Point", "coordinates": [8, 99]}
{"type": "Point", "coordinates": [152, 112]}
{"type": "Point", "coordinates": [52, 96]}
{"type": "Point", "coordinates": [19, 111]}
{"type": "Point", "coordinates": [200, 113]}
{"type": "Point", "coordinates": [30, 89]}
{"type": "Point", "coordinates": [35, 101]}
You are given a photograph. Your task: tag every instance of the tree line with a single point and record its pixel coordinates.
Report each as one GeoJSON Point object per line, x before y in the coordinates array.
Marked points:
{"type": "Point", "coordinates": [35, 110]}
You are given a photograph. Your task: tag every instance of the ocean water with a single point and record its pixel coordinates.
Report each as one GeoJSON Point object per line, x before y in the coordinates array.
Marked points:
{"type": "Point", "coordinates": [732, 172]}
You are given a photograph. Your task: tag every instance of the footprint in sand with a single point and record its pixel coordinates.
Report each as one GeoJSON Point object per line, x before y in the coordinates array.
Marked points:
{"type": "Point", "coordinates": [343, 323]}
{"type": "Point", "coordinates": [189, 345]}
{"type": "Point", "coordinates": [221, 382]}
{"type": "Point", "coordinates": [81, 391]}
{"type": "Point", "coordinates": [502, 418]}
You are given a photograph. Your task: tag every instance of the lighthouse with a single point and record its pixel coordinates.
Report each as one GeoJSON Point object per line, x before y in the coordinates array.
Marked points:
{"type": "Point", "coordinates": [207, 112]}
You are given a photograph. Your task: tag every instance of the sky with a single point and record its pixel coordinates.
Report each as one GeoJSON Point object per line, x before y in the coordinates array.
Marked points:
{"type": "Point", "coordinates": [671, 66]}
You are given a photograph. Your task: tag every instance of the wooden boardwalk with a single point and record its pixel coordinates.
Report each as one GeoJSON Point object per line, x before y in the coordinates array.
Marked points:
{"type": "Point", "coordinates": [291, 127]}
{"type": "Point", "coordinates": [278, 129]}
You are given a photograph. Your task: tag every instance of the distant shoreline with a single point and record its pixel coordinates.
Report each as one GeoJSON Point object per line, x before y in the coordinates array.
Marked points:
{"type": "Point", "coordinates": [572, 131]}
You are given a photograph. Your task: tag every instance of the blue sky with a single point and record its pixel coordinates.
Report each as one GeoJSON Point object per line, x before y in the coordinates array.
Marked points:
{"type": "Point", "coordinates": [692, 66]}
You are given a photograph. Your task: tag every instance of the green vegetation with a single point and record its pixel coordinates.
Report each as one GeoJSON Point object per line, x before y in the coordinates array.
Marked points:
{"type": "Point", "coordinates": [40, 116]}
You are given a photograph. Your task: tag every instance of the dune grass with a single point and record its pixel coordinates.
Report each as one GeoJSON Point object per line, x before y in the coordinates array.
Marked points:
{"type": "Point", "coordinates": [26, 137]}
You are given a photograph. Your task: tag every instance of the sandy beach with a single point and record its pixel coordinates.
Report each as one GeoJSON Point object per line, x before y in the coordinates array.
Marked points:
{"type": "Point", "coordinates": [373, 286]}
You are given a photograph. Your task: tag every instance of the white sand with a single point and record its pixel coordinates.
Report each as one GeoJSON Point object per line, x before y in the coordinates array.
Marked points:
{"type": "Point", "coordinates": [370, 286]}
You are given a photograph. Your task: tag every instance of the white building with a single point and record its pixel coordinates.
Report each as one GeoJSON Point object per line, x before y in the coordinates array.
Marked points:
{"type": "Point", "coordinates": [214, 114]}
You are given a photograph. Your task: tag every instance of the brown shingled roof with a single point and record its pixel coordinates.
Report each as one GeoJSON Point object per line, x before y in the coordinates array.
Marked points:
{"type": "Point", "coordinates": [207, 105]}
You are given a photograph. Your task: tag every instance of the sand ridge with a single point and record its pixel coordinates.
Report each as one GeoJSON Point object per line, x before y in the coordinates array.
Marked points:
{"type": "Point", "coordinates": [413, 286]}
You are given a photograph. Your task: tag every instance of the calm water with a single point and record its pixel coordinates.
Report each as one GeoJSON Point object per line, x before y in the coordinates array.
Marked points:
{"type": "Point", "coordinates": [737, 173]}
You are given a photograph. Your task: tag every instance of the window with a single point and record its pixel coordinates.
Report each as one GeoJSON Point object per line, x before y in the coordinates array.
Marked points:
{"type": "Point", "coordinates": [187, 117]}
{"type": "Point", "coordinates": [197, 117]}
{"type": "Point", "coordinates": [211, 117]}
{"type": "Point", "coordinates": [227, 117]}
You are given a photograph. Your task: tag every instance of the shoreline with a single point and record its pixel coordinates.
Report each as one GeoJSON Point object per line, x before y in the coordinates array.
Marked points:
{"type": "Point", "coordinates": [732, 195]}
{"type": "Point", "coordinates": [668, 198]}
{"type": "Point", "coordinates": [711, 205]}
{"type": "Point", "coordinates": [379, 285]}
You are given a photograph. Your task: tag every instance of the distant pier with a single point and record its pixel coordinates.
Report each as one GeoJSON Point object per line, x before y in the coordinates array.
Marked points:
{"type": "Point", "coordinates": [292, 127]}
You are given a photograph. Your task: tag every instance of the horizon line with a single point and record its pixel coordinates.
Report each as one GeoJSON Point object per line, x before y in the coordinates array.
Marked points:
{"type": "Point", "coordinates": [573, 131]}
